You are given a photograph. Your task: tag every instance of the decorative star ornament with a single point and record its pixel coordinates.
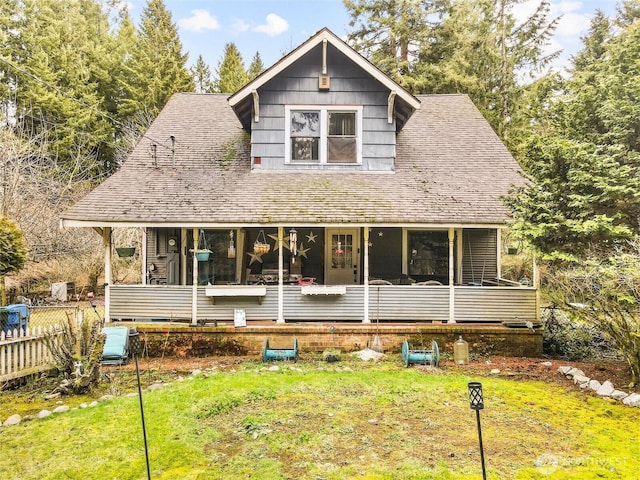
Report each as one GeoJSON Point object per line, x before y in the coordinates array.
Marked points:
{"type": "Point", "coordinates": [255, 257]}
{"type": "Point", "coordinates": [303, 251]}
{"type": "Point", "coordinates": [285, 241]}
{"type": "Point", "coordinates": [311, 237]}
{"type": "Point", "coordinates": [380, 233]}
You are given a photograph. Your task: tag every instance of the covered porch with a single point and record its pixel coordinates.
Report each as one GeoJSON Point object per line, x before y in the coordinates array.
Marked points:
{"type": "Point", "coordinates": [336, 273]}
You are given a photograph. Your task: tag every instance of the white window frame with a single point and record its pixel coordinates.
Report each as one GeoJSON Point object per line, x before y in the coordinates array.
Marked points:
{"type": "Point", "coordinates": [323, 142]}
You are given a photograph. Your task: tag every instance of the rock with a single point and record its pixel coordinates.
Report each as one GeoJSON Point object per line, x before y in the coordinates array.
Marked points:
{"type": "Point", "coordinates": [12, 420]}
{"type": "Point", "coordinates": [632, 400]}
{"type": "Point", "coordinates": [494, 371]}
{"type": "Point", "coordinates": [274, 368]}
{"type": "Point", "coordinates": [105, 397]}
{"type": "Point", "coordinates": [52, 396]}
{"type": "Point", "coordinates": [61, 409]}
{"type": "Point", "coordinates": [368, 354]}
{"type": "Point", "coordinates": [44, 413]}
{"type": "Point", "coordinates": [564, 369]}
{"type": "Point", "coordinates": [574, 371]}
{"type": "Point", "coordinates": [93, 404]}
{"type": "Point", "coordinates": [155, 386]}
{"type": "Point", "coordinates": [331, 355]}
{"type": "Point", "coordinates": [83, 405]}
{"type": "Point", "coordinates": [619, 395]}
{"type": "Point", "coordinates": [594, 385]}
{"type": "Point", "coordinates": [196, 372]}
{"type": "Point", "coordinates": [606, 389]}
{"type": "Point", "coordinates": [547, 364]}
{"type": "Point", "coordinates": [581, 380]}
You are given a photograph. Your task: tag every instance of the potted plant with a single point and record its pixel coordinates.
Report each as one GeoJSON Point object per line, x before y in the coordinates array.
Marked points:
{"type": "Point", "coordinates": [125, 252]}
{"type": "Point", "coordinates": [202, 251]}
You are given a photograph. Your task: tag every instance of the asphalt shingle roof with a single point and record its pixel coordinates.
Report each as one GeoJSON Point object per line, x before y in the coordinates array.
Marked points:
{"type": "Point", "coordinates": [450, 168]}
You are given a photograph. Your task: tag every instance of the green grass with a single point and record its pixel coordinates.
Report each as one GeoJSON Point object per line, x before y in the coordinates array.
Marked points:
{"type": "Point", "coordinates": [376, 422]}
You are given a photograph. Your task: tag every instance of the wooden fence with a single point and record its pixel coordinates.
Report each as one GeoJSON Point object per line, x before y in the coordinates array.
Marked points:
{"type": "Point", "coordinates": [23, 352]}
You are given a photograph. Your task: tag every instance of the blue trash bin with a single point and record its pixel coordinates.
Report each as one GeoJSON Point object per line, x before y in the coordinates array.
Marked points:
{"type": "Point", "coordinates": [14, 316]}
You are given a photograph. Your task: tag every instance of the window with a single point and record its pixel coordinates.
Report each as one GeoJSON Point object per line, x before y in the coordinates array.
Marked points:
{"type": "Point", "coordinates": [323, 135]}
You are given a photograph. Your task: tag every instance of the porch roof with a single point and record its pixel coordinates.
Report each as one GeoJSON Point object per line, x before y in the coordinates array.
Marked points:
{"type": "Point", "coordinates": [450, 169]}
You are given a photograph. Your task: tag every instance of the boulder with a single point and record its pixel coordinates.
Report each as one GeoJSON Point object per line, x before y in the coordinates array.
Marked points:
{"type": "Point", "coordinates": [43, 413]}
{"type": "Point", "coordinates": [61, 409]}
{"type": "Point", "coordinates": [632, 400]}
{"type": "Point", "coordinates": [606, 389]}
{"type": "Point", "coordinates": [594, 385]}
{"type": "Point", "coordinates": [564, 369]}
{"type": "Point", "coordinates": [619, 395]}
{"type": "Point", "coordinates": [581, 380]}
{"type": "Point", "coordinates": [12, 420]}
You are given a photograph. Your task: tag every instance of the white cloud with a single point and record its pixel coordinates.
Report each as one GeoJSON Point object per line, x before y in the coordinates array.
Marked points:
{"type": "Point", "coordinates": [240, 26]}
{"type": "Point", "coordinates": [275, 25]}
{"type": "Point", "coordinates": [198, 21]}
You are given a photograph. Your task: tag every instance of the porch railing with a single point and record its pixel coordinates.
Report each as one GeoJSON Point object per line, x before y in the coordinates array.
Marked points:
{"type": "Point", "coordinates": [386, 303]}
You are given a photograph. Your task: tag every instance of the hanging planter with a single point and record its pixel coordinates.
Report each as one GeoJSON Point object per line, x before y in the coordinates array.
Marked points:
{"type": "Point", "coordinates": [260, 246]}
{"type": "Point", "coordinates": [125, 252]}
{"type": "Point", "coordinates": [202, 251]}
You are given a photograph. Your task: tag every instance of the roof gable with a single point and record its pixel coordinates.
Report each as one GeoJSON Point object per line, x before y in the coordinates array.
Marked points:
{"type": "Point", "coordinates": [404, 102]}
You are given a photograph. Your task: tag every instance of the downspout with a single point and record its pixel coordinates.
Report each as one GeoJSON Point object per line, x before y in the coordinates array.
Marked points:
{"type": "Point", "coordinates": [536, 285]}
{"type": "Point", "coordinates": [194, 291]}
{"type": "Point", "coordinates": [106, 243]}
{"type": "Point", "coordinates": [366, 318]}
{"type": "Point", "coordinates": [280, 275]}
{"type": "Point", "coordinates": [452, 302]}
{"type": "Point", "coordinates": [499, 252]}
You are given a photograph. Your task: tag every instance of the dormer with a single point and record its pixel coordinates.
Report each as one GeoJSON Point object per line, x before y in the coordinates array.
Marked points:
{"type": "Point", "coordinates": [323, 107]}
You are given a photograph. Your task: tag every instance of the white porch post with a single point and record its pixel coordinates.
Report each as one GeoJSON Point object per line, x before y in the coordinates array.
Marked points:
{"type": "Point", "coordinates": [499, 252]}
{"type": "Point", "coordinates": [194, 290]}
{"type": "Point", "coordinates": [536, 284]}
{"type": "Point", "coordinates": [366, 318]}
{"type": "Point", "coordinates": [106, 243]}
{"type": "Point", "coordinates": [280, 275]}
{"type": "Point", "coordinates": [143, 248]}
{"type": "Point", "coordinates": [452, 313]}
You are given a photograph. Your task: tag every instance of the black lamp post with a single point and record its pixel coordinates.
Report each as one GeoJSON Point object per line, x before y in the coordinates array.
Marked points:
{"type": "Point", "coordinates": [476, 402]}
{"type": "Point", "coordinates": [135, 348]}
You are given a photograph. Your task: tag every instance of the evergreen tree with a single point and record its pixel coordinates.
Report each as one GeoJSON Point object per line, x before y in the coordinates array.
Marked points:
{"type": "Point", "coordinates": [457, 46]}
{"type": "Point", "coordinates": [158, 65]}
{"type": "Point", "coordinates": [61, 77]}
{"type": "Point", "coordinates": [231, 75]}
{"type": "Point", "coordinates": [584, 165]}
{"type": "Point", "coordinates": [256, 67]}
{"type": "Point", "coordinates": [202, 76]}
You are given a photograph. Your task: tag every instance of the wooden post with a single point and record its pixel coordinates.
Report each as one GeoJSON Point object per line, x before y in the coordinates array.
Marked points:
{"type": "Point", "coordinates": [452, 313]}
{"type": "Point", "coordinates": [366, 318]}
{"type": "Point", "coordinates": [106, 243]}
{"type": "Point", "coordinates": [194, 291]}
{"type": "Point", "coordinates": [280, 275]}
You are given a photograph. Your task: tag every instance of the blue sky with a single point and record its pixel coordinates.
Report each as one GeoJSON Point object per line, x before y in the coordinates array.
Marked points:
{"type": "Point", "coordinates": [275, 27]}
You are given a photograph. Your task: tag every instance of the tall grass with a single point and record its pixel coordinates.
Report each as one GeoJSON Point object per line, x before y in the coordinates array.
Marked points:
{"type": "Point", "coordinates": [315, 422]}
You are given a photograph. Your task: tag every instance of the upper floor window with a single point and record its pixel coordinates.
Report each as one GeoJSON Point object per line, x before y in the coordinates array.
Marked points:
{"type": "Point", "coordinates": [323, 135]}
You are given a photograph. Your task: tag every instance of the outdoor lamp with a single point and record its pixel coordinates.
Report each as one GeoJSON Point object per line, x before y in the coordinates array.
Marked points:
{"type": "Point", "coordinates": [476, 402]}
{"type": "Point", "coordinates": [475, 396]}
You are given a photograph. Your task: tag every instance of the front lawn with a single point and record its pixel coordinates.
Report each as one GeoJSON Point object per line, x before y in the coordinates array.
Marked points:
{"type": "Point", "coordinates": [318, 421]}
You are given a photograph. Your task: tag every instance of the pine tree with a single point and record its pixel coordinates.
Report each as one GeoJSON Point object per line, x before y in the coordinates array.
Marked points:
{"type": "Point", "coordinates": [62, 77]}
{"type": "Point", "coordinates": [231, 75]}
{"type": "Point", "coordinates": [202, 76]}
{"type": "Point", "coordinates": [256, 67]}
{"type": "Point", "coordinates": [158, 66]}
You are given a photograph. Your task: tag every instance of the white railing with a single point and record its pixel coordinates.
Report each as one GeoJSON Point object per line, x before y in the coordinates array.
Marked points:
{"type": "Point", "coordinates": [23, 352]}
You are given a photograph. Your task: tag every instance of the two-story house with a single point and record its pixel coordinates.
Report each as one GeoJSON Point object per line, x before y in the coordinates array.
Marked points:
{"type": "Point", "coordinates": [320, 191]}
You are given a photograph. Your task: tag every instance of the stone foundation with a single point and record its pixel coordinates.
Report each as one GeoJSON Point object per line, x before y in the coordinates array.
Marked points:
{"type": "Point", "coordinates": [182, 340]}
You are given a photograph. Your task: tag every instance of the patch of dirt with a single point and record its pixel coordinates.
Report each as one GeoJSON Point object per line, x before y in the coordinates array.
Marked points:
{"type": "Point", "coordinates": [546, 370]}
{"type": "Point", "coordinates": [540, 369]}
